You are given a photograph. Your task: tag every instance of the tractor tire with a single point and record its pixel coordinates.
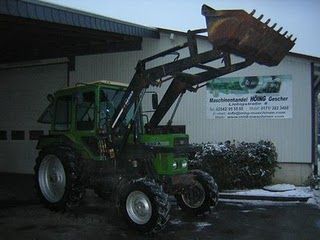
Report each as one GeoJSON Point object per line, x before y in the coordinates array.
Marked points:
{"type": "Point", "coordinates": [145, 206]}
{"type": "Point", "coordinates": [198, 199]}
{"type": "Point", "coordinates": [58, 179]}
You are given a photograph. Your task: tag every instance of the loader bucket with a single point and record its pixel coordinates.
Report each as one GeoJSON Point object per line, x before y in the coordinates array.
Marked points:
{"type": "Point", "coordinates": [239, 33]}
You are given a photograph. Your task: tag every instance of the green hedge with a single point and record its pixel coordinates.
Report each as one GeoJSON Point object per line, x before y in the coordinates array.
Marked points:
{"type": "Point", "coordinates": [236, 165]}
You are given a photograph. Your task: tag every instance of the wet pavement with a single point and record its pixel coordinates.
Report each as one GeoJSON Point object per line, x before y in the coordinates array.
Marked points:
{"type": "Point", "coordinates": [22, 217]}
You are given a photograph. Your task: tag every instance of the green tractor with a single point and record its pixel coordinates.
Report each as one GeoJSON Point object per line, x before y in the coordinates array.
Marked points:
{"type": "Point", "coordinates": [99, 139]}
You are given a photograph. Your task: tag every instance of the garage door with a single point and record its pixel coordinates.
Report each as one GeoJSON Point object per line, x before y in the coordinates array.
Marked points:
{"type": "Point", "coordinates": [22, 99]}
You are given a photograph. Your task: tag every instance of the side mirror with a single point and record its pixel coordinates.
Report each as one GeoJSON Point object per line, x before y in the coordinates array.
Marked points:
{"type": "Point", "coordinates": [154, 101]}
{"type": "Point", "coordinates": [50, 98]}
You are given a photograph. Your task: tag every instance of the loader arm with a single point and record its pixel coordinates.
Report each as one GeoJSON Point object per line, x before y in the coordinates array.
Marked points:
{"type": "Point", "coordinates": [191, 82]}
{"type": "Point", "coordinates": [230, 32]}
{"type": "Point", "coordinates": [143, 77]}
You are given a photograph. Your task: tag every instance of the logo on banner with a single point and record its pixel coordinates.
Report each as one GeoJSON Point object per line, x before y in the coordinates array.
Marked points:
{"type": "Point", "coordinates": [268, 97]}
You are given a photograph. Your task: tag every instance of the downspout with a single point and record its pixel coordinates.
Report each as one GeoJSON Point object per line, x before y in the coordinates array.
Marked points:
{"type": "Point", "coordinates": [70, 67]}
{"type": "Point", "coordinates": [315, 120]}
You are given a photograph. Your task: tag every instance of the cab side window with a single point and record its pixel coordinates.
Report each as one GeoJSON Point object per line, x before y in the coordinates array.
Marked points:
{"type": "Point", "coordinates": [63, 113]}
{"type": "Point", "coordinates": [85, 111]}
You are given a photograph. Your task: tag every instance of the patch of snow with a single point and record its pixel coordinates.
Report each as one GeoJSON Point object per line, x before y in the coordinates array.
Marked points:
{"type": "Point", "coordinates": [316, 198]}
{"type": "Point", "coordinates": [246, 211]}
{"type": "Point", "coordinates": [201, 225]}
{"type": "Point", "coordinates": [304, 192]}
{"type": "Point", "coordinates": [243, 203]}
{"type": "Point", "coordinates": [312, 201]}
{"type": "Point", "coordinates": [231, 202]}
{"type": "Point", "coordinates": [280, 187]}
{"type": "Point", "coordinates": [261, 209]}
{"type": "Point", "coordinates": [175, 221]}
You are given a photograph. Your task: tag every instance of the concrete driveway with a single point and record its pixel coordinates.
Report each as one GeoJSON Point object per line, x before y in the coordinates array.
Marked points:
{"type": "Point", "coordinates": [22, 217]}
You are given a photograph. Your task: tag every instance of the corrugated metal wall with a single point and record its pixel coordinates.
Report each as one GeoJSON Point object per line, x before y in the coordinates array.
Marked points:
{"type": "Point", "coordinates": [22, 99]}
{"type": "Point", "coordinates": [292, 137]}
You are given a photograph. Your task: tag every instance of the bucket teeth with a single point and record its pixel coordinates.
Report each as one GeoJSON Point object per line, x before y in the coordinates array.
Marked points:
{"type": "Point", "coordinates": [273, 26]}
{"type": "Point", "coordinates": [242, 34]}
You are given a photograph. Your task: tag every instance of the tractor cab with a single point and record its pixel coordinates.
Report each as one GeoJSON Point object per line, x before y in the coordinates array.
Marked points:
{"type": "Point", "coordinates": [83, 114]}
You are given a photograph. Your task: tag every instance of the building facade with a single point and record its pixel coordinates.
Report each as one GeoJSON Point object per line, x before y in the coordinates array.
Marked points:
{"type": "Point", "coordinates": [24, 88]}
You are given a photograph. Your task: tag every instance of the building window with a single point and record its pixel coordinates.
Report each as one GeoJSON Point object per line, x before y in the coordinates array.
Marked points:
{"type": "Point", "coordinates": [35, 134]}
{"type": "Point", "coordinates": [17, 135]}
{"type": "Point", "coordinates": [3, 135]}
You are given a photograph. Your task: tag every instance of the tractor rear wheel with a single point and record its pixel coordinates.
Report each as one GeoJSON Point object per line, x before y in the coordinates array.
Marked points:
{"type": "Point", "coordinates": [145, 206]}
{"type": "Point", "coordinates": [58, 179]}
{"type": "Point", "coordinates": [198, 198]}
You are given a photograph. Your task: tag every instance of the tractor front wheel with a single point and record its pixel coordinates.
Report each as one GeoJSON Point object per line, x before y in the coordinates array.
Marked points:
{"type": "Point", "coordinates": [145, 206]}
{"type": "Point", "coordinates": [198, 197]}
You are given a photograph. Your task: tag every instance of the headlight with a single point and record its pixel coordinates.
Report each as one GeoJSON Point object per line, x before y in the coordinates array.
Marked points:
{"type": "Point", "coordinates": [174, 165]}
{"type": "Point", "coordinates": [184, 164]}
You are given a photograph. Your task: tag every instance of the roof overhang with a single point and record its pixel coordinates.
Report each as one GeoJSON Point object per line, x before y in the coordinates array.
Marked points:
{"type": "Point", "coordinates": [32, 30]}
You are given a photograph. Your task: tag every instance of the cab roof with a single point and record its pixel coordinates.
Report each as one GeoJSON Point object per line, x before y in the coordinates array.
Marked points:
{"type": "Point", "coordinates": [92, 85]}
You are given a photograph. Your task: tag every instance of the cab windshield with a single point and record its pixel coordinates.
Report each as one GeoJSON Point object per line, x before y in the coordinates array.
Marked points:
{"type": "Point", "coordinates": [109, 102]}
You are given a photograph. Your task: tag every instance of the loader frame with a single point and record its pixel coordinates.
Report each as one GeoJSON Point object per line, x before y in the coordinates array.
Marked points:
{"type": "Point", "coordinates": [135, 164]}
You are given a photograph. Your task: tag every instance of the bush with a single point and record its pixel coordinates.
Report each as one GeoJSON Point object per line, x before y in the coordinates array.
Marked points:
{"type": "Point", "coordinates": [236, 165]}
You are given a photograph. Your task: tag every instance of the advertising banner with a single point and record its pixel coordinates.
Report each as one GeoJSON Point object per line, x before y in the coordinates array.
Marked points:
{"type": "Point", "coordinates": [252, 97]}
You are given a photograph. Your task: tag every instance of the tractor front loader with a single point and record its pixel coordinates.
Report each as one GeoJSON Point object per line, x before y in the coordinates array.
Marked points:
{"type": "Point", "coordinates": [98, 138]}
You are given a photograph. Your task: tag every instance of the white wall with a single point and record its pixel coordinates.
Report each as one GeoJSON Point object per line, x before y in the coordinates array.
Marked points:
{"type": "Point", "coordinates": [292, 137]}
{"type": "Point", "coordinates": [22, 99]}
